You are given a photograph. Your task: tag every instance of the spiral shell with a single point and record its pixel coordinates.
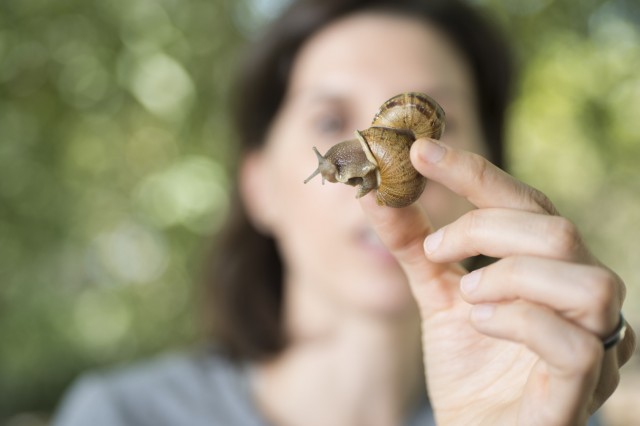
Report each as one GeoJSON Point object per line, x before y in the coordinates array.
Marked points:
{"type": "Point", "coordinates": [412, 111]}
{"type": "Point", "coordinates": [399, 183]}
{"type": "Point", "coordinates": [386, 144]}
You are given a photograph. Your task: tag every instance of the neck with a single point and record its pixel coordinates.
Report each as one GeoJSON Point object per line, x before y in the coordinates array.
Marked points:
{"type": "Point", "coordinates": [342, 368]}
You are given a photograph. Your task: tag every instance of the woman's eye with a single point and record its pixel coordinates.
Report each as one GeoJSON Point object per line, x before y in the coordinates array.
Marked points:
{"type": "Point", "coordinates": [329, 125]}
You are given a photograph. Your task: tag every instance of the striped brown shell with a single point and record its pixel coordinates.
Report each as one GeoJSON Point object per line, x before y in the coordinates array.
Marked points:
{"type": "Point", "coordinates": [399, 122]}
{"type": "Point", "coordinates": [412, 111]}
{"type": "Point", "coordinates": [385, 165]}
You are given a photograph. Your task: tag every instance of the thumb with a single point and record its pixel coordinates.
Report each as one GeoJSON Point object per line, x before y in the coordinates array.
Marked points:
{"type": "Point", "coordinates": [403, 230]}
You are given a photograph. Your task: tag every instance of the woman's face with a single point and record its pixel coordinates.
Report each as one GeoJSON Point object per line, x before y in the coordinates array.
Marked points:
{"type": "Point", "coordinates": [340, 78]}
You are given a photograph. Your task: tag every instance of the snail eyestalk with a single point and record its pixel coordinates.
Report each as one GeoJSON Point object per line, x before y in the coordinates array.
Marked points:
{"type": "Point", "coordinates": [326, 169]}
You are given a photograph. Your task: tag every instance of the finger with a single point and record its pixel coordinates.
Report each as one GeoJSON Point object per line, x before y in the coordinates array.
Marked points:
{"type": "Point", "coordinates": [402, 230]}
{"type": "Point", "coordinates": [502, 233]}
{"type": "Point", "coordinates": [590, 296]}
{"type": "Point", "coordinates": [475, 178]}
{"type": "Point", "coordinates": [562, 385]}
{"type": "Point", "coordinates": [610, 374]}
{"type": "Point", "coordinates": [627, 347]}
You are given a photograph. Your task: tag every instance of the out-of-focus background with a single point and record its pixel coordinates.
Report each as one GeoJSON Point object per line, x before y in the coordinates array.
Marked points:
{"type": "Point", "coordinates": [115, 153]}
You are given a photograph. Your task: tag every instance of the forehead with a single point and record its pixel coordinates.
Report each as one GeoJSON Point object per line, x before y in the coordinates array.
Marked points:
{"type": "Point", "coordinates": [381, 55]}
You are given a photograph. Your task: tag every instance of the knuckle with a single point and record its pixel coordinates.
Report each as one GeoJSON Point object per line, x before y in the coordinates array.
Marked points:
{"type": "Point", "coordinates": [565, 237]}
{"type": "Point", "coordinates": [513, 266]}
{"type": "Point", "coordinates": [474, 221]}
{"type": "Point", "coordinates": [588, 353]}
{"type": "Point", "coordinates": [480, 167]}
{"type": "Point", "coordinates": [541, 199]}
{"type": "Point", "coordinates": [615, 283]}
{"type": "Point", "coordinates": [601, 291]}
{"type": "Point", "coordinates": [528, 316]}
{"type": "Point", "coordinates": [517, 265]}
{"type": "Point", "coordinates": [622, 289]}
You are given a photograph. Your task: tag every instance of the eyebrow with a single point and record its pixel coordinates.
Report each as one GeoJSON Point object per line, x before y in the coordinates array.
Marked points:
{"type": "Point", "coordinates": [315, 95]}
{"type": "Point", "coordinates": [443, 94]}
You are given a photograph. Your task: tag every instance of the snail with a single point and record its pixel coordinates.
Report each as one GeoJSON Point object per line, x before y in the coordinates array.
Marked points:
{"type": "Point", "coordinates": [378, 158]}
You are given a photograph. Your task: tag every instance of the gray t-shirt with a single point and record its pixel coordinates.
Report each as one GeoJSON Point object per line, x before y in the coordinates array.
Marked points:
{"type": "Point", "coordinates": [199, 388]}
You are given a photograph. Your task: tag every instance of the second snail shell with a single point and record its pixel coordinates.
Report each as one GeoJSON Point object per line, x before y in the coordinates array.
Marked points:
{"type": "Point", "coordinates": [379, 156]}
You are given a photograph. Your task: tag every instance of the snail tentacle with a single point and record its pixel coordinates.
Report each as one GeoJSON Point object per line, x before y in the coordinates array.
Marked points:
{"type": "Point", "coordinates": [324, 167]}
{"type": "Point", "coordinates": [379, 156]}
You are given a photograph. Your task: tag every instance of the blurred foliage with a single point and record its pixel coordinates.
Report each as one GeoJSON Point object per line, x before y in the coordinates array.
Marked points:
{"type": "Point", "coordinates": [114, 163]}
{"type": "Point", "coordinates": [113, 153]}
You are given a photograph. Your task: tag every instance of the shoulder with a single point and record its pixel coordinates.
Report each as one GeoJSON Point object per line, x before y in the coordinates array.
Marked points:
{"type": "Point", "coordinates": [196, 387]}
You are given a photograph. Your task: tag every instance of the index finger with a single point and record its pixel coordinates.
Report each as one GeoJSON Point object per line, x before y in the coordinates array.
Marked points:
{"type": "Point", "coordinates": [403, 230]}
{"type": "Point", "coordinates": [476, 178]}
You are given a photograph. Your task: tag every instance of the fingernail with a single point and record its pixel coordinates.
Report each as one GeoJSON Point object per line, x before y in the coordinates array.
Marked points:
{"type": "Point", "coordinates": [430, 151]}
{"type": "Point", "coordinates": [482, 312]}
{"type": "Point", "coordinates": [469, 282]}
{"type": "Point", "coordinates": [432, 242]}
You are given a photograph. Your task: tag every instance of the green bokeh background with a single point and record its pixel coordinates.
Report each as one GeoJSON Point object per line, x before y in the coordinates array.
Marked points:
{"type": "Point", "coordinates": [115, 152]}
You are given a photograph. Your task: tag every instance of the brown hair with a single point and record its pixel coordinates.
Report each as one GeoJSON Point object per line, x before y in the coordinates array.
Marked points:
{"type": "Point", "coordinates": [245, 283]}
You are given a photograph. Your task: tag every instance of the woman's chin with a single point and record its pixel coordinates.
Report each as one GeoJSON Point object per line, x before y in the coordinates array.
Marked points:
{"type": "Point", "coordinates": [384, 293]}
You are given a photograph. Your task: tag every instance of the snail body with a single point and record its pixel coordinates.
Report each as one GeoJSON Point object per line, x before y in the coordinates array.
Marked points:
{"type": "Point", "coordinates": [378, 158]}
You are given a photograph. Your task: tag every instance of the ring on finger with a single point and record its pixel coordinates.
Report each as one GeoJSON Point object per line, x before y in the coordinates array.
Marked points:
{"type": "Point", "coordinates": [617, 335]}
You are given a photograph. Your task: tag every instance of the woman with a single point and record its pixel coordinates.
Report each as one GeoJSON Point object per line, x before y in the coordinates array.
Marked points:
{"type": "Point", "coordinates": [331, 311]}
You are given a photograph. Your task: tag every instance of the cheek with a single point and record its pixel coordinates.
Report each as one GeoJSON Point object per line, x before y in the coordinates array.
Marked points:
{"type": "Point", "coordinates": [311, 219]}
{"type": "Point", "coordinates": [296, 201]}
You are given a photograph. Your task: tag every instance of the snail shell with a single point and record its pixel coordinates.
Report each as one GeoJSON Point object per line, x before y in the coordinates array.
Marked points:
{"type": "Point", "coordinates": [379, 156]}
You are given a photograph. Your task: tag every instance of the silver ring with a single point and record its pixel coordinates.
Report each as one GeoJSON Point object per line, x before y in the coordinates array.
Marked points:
{"type": "Point", "coordinates": [617, 335]}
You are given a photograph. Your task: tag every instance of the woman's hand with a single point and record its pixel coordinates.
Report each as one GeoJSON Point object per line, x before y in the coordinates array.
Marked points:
{"type": "Point", "coordinates": [519, 341]}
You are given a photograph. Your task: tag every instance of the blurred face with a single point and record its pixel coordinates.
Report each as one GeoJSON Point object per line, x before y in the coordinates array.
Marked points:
{"type": "Point", "coordinates": [334, 262]}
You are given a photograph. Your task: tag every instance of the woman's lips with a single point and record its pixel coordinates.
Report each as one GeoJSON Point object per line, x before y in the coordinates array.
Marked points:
{"type": "Point", "coordinates": [371, 243]}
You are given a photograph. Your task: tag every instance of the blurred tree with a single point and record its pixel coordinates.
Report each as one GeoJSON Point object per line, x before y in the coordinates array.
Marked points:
{"type": "Point", "coordinates": [115, 157]}
{"type": "Point", "coordinates": [113, 153]}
